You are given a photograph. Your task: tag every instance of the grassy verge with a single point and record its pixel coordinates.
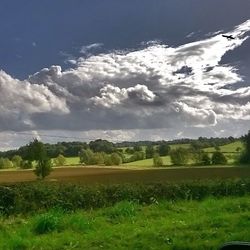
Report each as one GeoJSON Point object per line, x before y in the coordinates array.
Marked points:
{"type": "Point", "coordinates": [127, 225]}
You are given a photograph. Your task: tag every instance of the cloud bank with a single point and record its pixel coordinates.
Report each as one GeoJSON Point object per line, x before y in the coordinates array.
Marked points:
{"type": "Point", "coordinates": [154, 87]}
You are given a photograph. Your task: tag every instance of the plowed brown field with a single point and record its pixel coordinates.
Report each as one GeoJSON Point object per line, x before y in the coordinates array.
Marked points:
{"type": "Point", "coordinates": [113, 175]}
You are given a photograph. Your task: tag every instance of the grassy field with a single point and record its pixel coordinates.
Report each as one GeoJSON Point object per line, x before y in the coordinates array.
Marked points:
{"type": "Point", "coordinates": [149, 162]}
{"type": "Point", "coordinates": [228, 148]}
{"type": "Point", "coordinates": [162, 225]}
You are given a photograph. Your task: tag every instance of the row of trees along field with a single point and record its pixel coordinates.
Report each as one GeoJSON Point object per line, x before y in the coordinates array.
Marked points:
{"type": "Point", "coordinates": [102, 152]}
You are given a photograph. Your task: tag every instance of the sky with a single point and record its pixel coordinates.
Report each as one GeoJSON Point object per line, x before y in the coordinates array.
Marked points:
{"type": "Point", "coordinates": [123, 70]}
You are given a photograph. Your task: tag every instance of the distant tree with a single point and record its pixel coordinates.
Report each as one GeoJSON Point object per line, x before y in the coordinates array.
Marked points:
{"type": "Point", "coordinates": [157, 160]}
{"type": "Point", "coordinates": [60, 160]}
{"type": "Point", "coordinates": [102, 146]}
{"type": "Point", "coordinates": [86, 156]}
{"type": "Point", "coordinates": [245, 153]}
{"type": "Point", "coordinates": [5, 163]}
{"type": "Point", "coordinates": [205, 159]}
{"type": "Point", "coordinates": [137, 156]}
{"type": "Point", "coordinates": [98, 158]}
{"type": "Point", "coordinates": [238, 149]}
{"type": "Point", "coordinates": [217, 148]}
{"type": "Point", "coordinates": [129, 150]}
{"type": "Point", "coordinates": [137, 148]}
{"type": "Point", "coordinates": [149, 151]}
{"type": "Point", "coordinates": [38, 153]}
{"type": "Point", "coordinates": [1, 163]}
{"type": "Point", "coordinates": [26, 164]}
{"type": "Point", "coordinates": [164, 149]}
{"type": "Point", "coordinates": [218, 158]}
{"type": "Point", "coordinates": [115, 159]}
{"type": "Point", "coordinates": [17, 161]}
{"type": "Point", "coordinates": [43, 168]}
{"type": "Point", "coordinates": [180, 156]}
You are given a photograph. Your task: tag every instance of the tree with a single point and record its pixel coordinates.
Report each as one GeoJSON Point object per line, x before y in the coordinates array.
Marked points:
{"type": "Point", "coordinates": [157, 160]}
{"type": "Point", "coordinates": [26, 164]}
{"type": "Point", "coordinates": [205, 159]}
{"type": "Point", "coordinates": [60, 160]}
{"type": "Point", "coordinates": [115, 159]}
{"type": "Point", "coordinates": [86, 156]}
{"type": "Point", "coordinates": [150, 151]}
{"type": "Point", "coordinates": [164, 149]}
{"type": "Point", "coordinates": [17, 161]}
{"type": "Point", "coordinates": [102, 146]}
{"type": "Point", "coordinates": [245, 154]}
{"type": "Point", "coordinates": [179, 156]}
{"type": "Point", "coordinates": [218, 158]}
{"type": "Point", "coordinates": [37, 153]}
{"type": "Point", "coordinates": [137, 148]}
{"type": "Point", "coordinates": [5, 163]}
{"type": "Point", "coordinates": [43, 168]}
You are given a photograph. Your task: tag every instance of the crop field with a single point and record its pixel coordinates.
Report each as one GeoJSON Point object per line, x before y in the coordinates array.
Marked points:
{"type": "Point", "coordinates": [164, 225]}
{"type": "Point", "coordinates": [119, 175]}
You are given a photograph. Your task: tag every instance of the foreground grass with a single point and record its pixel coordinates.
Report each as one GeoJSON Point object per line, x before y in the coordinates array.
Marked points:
{"type": "Point", "coordinates": [164, 225]}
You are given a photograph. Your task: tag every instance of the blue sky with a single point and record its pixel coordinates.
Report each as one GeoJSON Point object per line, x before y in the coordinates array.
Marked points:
{"type": "Point", "coordinates": [94, 46]}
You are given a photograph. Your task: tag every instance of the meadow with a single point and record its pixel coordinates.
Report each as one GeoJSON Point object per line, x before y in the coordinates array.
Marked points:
{"type": "Point", "coordinates": [181, 225]}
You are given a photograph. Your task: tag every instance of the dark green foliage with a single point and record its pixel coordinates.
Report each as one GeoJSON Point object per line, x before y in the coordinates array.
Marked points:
{"type": "Point", "coordinates": [34, 197]}
{"type": "Point", "coordinates": [115, 159]}
{"type": "Point", "coordinates": [137, 156]}
{"type": "Point", "coordinates": [245, 154]}
{"type": "Point", "coordinates": [205, 159]}
{"type": "Point", "coordinates": [102, 146]}
{"type": "Point", "coordinates": [137, 148]}
{"type": "Point", "coordinates": [86, 156]}
{"type": "Point", "coordinates": [163, 149]}
{"type": "Point", "coordinates": [149, 151]}
{"type": "Point", "coordinates": [26, 165]}
{"type": "Point", "coordinates": [43, 168]}
{"type": "Point", "coordinates": [180, 156]}
{"type": "Point", "coordinates": [157, 160]}
{"type": "Point", "coordinates": [218, 158]}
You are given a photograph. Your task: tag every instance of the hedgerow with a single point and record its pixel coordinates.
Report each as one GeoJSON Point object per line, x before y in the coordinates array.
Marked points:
{"type": "Point", "coordinates": [41, 196]}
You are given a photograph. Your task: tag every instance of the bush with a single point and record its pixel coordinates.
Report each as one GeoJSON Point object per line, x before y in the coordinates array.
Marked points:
{"type": "Point", "coordinates": [47, 222]}
{"type": "Point", "coordinates": [43, 168]}
{"type": "Point", "coordinates": [17, 161]}
{"type": "Point", "coordinates": [180, 156]}
{"type": "Point", "coordinates": [26, 165]}
{"type": "Point", "coordinates": [60, 160]}
{"type": "Point", "coordinates": [218, 158]}
{"type": "Point", "coordinates": [157, 161]}
{"type": "Point", "coordinates": [5, 163]}
{"type": "Point", "coordinates": [41, 196]}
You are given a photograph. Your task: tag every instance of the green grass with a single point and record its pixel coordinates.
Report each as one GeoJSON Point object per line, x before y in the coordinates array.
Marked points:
{"type": "Point", "coordinates": [149, 162]}
{"type": "Point", "coordinates": [162, 225]}
{"type": "Point", "coordinates": [228, 148]}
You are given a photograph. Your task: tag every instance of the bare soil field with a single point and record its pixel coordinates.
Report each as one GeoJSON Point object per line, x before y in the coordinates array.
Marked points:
{"type": "Point", "coordinates": [115, 175]}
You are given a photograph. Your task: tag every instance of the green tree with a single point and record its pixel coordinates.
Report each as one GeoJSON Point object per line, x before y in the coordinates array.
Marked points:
{"type": "Point", "coordinates": [164, 149]}
{"type": "Point", "coordinates": [17, 161]}
{"type": "Point", "coordinates": [149, 151]}
{"type": "Point", "coordinates": [218, 158]}
{"type": "Point", "coordinates": [205, 159]}
{"type": "Point", "coordinates": [60, 160]}
{"type": "Point", "coordinates": [245, 153]}
{"type": "Point", "coordinates": [180, 156]}
{"type": "Point", "coordinates": [137, 148]}
{"type": "Point", "coordinates": [38, 153]}
{"type": "Point", "coordinates": [86, 156]}
{"type": "Point", "coordinates": [43, 168]}
{"type": "Point", "coordinates": [115, 159]}
{"type": "Point", "coordinates": [157, 160]}
{"type": "Point", "coordinates": [102, 146]}
{"type": "Point", "coordinates": [26, 164]}
{"type": "Point", "coordinates": [5, 163]}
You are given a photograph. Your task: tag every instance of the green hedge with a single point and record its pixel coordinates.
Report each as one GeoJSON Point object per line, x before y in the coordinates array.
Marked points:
{"type": "Point", "coordinates": [41, 196]}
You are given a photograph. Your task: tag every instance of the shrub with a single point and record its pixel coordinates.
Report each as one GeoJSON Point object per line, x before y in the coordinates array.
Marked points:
{"type": "Point", "coordinates": [60, 160]}
{"type": "Point", "coordinates": [5, 163]}
{"type": "Point", "coordinates": [157, 161]}
{"type": "Point", "coordinates": [179, 156]}
{"type": "Point", "coordinates": [218, 158]}
{"type": "Point", "coordinates": [26, 165]}
{"type": "Point", "coordinates": [43, 168]}
{"type": "Point", "coordinates": [48, 222]}
{"type": "Point", "coordinates": [17, 161]}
